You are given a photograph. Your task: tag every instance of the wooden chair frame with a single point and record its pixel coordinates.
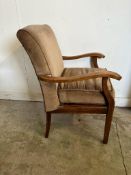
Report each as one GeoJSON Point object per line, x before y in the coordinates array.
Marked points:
{"type": "Point", "coordinates": [107, 109]}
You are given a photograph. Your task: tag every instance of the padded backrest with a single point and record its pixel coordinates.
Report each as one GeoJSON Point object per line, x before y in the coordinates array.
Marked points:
{"type": "Point", "coordinates": [40, 43]}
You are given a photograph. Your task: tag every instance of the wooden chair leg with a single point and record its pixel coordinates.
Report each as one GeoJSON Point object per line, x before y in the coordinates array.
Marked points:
{"type": "Point", "coordinates": [48, 123]}
{"type": "Point", "coordinates": [108, 124]}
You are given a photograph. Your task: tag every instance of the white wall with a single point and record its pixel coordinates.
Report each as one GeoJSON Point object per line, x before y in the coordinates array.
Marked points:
{"type": "Point", "coordinates": [80, 25]}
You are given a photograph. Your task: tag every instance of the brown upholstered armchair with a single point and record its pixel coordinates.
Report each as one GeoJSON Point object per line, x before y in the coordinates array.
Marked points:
{"type": "Point", "coordinates": [68, 90]}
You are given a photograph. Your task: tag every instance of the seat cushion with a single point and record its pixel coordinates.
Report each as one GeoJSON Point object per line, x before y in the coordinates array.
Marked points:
{"type": "Point", "coordinates": [82, 92]}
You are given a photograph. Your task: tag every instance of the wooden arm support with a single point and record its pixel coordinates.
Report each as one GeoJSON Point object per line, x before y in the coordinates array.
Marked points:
{"type": "Point", "coordinates": [87, 76]}
{"type": "Point", "coordinates": [92, 55]}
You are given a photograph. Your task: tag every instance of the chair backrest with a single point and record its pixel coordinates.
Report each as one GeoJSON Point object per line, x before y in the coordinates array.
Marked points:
{"type": "Point", "coordinates": [41, 45]}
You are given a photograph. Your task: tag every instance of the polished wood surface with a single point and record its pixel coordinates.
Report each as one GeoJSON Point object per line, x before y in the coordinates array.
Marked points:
{"type": "Point", "coordinates": [93, 54]}
{"type": "Point", "coordinates": [110, 108]}
{"type": "Point", "coordinates": [90, 75]}
{"type": "Point", "coordinates": [93, 62]}
{"type": "Point", "coordinates": [48, 123]}
{"type": "Point", "coordinates": [81, 108]}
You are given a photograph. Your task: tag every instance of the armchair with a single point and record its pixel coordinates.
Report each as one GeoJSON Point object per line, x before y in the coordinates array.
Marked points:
{"type": "Point", "coordinates": [68, 90]}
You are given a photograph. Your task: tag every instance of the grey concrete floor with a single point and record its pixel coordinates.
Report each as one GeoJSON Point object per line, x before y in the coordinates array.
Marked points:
{"type": "Point", "coordinates": [73, 148]}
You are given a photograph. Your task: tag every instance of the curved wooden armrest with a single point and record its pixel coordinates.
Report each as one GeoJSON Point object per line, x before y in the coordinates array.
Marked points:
{"type": "Point", "coordinates": [92, 55]}
{"type": "Point", "coordinates": [87, 76]}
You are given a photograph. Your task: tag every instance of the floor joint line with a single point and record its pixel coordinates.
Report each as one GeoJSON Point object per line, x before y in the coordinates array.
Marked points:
{"type": "Point", "coordinates": [123, 160]}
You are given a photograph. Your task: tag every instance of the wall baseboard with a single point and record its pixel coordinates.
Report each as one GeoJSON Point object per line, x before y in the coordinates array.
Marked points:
{"type": "Point", "coordinates": [31, 96]}
{"type": "Point", "coordinates": [11, 95]}
{"type": "Point", "coordinates": [123, 101]}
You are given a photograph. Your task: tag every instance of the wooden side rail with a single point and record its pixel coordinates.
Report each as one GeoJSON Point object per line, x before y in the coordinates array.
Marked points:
{"type": "Point", "coordinates": [90, 75]}
{"type": "Point", "coordinates": [92, 55]}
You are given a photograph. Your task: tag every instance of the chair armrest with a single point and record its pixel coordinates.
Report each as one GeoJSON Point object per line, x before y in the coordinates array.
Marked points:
{"type": "Point", "coordinates": [92, 55]}
{"type": "Point", "coordinates": [90, 75]}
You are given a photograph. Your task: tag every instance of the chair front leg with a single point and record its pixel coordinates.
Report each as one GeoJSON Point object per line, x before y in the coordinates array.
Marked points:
{"type": "Point", "coordinates": [110, 109]}
{"type": "Point", "coordinates": [108, 121]}
{"type": "Point", "coordinates": [48, 123]}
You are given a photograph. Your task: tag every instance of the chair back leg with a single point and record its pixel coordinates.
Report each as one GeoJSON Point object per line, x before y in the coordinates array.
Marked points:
{"type": "Point", "coordinates": [48, 123]}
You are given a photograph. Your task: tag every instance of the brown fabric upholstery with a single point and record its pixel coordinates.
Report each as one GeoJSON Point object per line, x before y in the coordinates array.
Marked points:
{"type": "Point", "coordinates": [82, 92]}
{"type": "Point", "coordinates": [40, 43]}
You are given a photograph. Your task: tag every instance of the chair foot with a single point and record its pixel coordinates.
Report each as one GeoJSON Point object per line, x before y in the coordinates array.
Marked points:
{"type": "Point", "coordinates": [107, 126]}
{"type": "Point", "coordinates": [48, 123]}
{"type": "Point", "coordinates": [105, 141]}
